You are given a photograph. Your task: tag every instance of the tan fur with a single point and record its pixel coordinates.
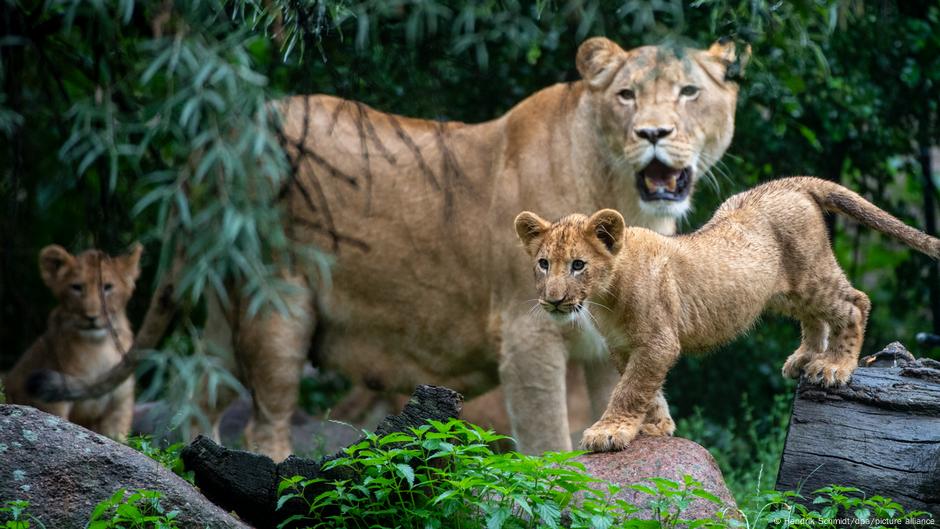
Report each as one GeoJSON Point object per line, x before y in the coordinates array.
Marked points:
{"type": "Point", "coordinates": [654, 297]}
{"type": "Point", "coordinates": [419, 293]}
{"type": "Point", "coordinates": [87, 334]}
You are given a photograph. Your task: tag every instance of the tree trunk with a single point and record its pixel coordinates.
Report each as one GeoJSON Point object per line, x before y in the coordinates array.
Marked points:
{"type": "Point", "coordinates": [880, 433]}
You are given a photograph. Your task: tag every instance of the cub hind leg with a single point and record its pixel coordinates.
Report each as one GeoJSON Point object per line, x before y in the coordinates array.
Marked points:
{"type": "Point", "coordinates": [847, 315]}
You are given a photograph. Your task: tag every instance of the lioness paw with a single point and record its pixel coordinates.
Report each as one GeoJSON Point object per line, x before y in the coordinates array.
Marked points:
{"type": "Point", "coordinates": [828, 373]}
{"type": "Point", "coordinates": [610, 436]}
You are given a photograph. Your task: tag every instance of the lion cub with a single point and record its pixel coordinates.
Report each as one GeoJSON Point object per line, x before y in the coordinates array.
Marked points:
{"type": "Point", "coordinates": [86, 335]}
{"type": "Point", "coordinates": [653, 296]}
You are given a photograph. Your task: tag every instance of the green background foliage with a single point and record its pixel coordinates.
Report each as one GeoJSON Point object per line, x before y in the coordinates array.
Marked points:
{"type": "Point", "coordinates": [130, 120]}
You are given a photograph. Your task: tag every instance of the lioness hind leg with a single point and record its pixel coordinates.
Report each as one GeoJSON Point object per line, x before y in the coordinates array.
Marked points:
{"type": "Point", "coordinates": [849, 315]}
{"type": "Point", "coordinates": [658, 421]}
{"type": "Point", "coordinates": [814, 341]}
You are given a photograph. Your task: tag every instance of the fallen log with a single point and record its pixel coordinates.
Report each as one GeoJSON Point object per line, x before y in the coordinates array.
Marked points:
{"type": "Point", "coordinates": [247, 483]}
{"type": "Point", "coordinates": [880, 432]}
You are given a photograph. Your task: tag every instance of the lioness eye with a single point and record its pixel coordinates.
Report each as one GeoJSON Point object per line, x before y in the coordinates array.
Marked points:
{"type": "Point", "coordinates": [108, 287]}
{"type": "Point", "coordinates": [76, 287]}
{"type": "Point", "coordinates": [626, 94]}
{"type": "Point", "coordinates": [577, 264]}
{"type": "Point", "coordinates": [689, 90]}
{"type": "Point", "coordinates": [543, 264]}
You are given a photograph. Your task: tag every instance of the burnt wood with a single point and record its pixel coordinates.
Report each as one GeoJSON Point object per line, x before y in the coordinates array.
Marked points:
{"type": "Point", "coordinates": [246, 483]}
{"type": "Point", "coordinates": [880, 433]}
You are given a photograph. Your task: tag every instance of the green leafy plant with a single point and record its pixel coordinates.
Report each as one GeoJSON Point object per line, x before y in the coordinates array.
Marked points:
{"type": "Point", "coordinates": [137, 510]}
{"type": "Point", "coordinates": [168, 456]}
{"type": "Point", "coordinates": [832, 507]}
{"type": "Point", "coordinates": [447, 475]}
{"type": "Point", "coordinates": [15, 515]}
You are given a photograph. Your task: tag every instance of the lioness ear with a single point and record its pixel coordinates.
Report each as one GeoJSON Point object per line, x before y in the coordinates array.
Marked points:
{"type": "Point", "coordinates": [130, 262]}
{"type": "Point", "coordinates": [598, 59]}
{"type": "Point", "coordinates": [608, 225]}
{"type": "Point", "coordinates": [530, 228]}
{"type": "Point", "coordinates": [725, 51]}
{"type": "Point", "coordinates": [51, 260]}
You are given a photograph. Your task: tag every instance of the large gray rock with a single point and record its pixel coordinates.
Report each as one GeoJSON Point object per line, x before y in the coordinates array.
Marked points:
{"type": "Point", "coordinates": [662, 457]}
{"type": "Point", "coordinates": [64, 470]}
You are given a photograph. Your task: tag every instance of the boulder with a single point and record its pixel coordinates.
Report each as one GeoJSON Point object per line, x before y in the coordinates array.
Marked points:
{"type": "Point", "coordinates": [662, 457]}
{"type": "Point", "coordinates": [64, 470]}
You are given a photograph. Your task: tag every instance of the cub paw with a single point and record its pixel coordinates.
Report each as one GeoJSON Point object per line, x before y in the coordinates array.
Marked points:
{"type": "Point", "coordinates": [794, 365]}
{"type": "Point", "coordinates": [610, 436]}
{"type": "Point", "coordinates": [828, 373]}
{"type": "Point", "coordinates": [661, 428]}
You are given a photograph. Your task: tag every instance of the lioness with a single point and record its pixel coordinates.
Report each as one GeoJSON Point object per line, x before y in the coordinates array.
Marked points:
{"type": "Point", "coordinates": [423, 295]}
{"type": "Point", "coordinates": [87, 333]}
{"type": "Point", "coordinates": [653, 297]}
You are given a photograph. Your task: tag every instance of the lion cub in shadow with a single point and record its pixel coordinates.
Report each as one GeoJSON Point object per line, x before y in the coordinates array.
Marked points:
{"type": "Point", "coordinates": [87, 334]}
{"type": "Point", "coordinates": [652, 297]}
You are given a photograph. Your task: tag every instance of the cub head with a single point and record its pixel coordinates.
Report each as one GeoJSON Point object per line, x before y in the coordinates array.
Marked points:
{"type": "Point", "coordinates": [91, 287]}
{"type": "Point", "coordinates": [665, 114]}
{"type": "Point", "coordinates": [572, 259]}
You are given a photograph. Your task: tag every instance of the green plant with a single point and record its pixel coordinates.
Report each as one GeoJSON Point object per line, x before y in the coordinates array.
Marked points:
{"type": "Point", "coordinates": [14, 515]}
{"type": "Point", "coordinates": [446, 475]}
{"type": "Point", "coordinates": [834, 507]}
{"type": "Point", "coordinates": [138, 510]}
{"type": "Point", "coordinates": [168, 456]}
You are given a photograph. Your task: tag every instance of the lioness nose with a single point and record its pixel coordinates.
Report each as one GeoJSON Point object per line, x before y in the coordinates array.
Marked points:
{"type": "Point", "coordinates": [653, 134]}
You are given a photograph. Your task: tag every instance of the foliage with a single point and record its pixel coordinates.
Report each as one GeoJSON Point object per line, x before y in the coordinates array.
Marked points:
{"type": "Point", "coordinates": [137, 510]}
{"type": "Point", "coordinates": [15, 515]}
{"type": "Point", "coordinates": [446, 475]}
{"type": "Point", "coordinates": [832, 507]}
{"type": "Point", "coordinates": [168, 456]}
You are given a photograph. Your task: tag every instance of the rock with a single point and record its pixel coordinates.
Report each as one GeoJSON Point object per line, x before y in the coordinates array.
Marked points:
{"type": "Point", "coordinates": [64, 470]}
{"type": "Point", "coordinates": [662, 457]}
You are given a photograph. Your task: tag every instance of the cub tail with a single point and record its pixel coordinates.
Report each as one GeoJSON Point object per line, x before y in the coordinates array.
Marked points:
{"type": "Point", "coordinates": [838, 199]}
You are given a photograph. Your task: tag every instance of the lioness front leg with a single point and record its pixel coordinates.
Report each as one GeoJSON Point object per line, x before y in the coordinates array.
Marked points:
{"type": "Point", "coordinates": [642, 378]}
{"type": "Point", "coordinates": [532, 370]}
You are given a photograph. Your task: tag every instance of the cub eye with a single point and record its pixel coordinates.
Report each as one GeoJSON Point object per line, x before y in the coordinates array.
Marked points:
{"type": "Point", "coordinates": [689, 90]}
{"type": "Point", "coordinates": [577, 264]}
{"type": "Point", "coordinates": [543, 264]}
{"type": "Point", "coordinates": [626, 94]}
{"type": "Point", "coordinates": [76, 287]}
{"type": "Point", "coordinates": [108, 287]}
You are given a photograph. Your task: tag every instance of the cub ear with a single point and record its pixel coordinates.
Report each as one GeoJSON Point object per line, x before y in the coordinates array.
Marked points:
{"type": "Point", "coordinates": [598, 59]}
{"type": "Point", "coordinates": [130, 262]}
{"type": "Point", "coordinates": [51, 261]}
{"type": "Point", "coordinates": [530, 228]}
{"type": "Point", "coordinates": [725, 51]}
{"type": "Point", "coordinates": [608, 226]}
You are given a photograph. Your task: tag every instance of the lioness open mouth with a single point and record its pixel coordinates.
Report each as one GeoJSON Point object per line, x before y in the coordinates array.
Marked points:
{"type": "Point", "coordinates": [658, 181]}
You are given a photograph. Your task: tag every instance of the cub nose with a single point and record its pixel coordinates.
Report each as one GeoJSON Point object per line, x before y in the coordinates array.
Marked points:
{"type": "Point", "coordinates": [653, 134]}
{"type": "Point", "coordinates": [555, 302]}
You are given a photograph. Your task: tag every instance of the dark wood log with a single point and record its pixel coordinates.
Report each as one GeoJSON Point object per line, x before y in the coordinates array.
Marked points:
{"type": "Point", "coordinates": [247, 483]}
{"type": "Point", "coordinates": [880, 432]}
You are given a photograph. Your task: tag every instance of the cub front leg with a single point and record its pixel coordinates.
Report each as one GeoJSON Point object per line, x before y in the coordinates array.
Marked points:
{"type": "Point", "coordinates": [532, 370]}
{"type": "Point", "coordinates": [634, 396]}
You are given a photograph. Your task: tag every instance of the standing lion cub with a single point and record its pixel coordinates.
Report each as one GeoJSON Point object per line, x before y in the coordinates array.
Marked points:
{"type": "Point", "coordinates": [87, 334]}
{"type": "Point", "coordinates": [652, 296]}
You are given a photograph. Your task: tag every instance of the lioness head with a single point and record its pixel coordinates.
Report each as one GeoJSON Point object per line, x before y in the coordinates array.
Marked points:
{"type": "Point", "coordinates": [573, 258]}
{"type": "Point", "coordinates": [91, 287]}
{"type": "Point", "coordinates": [665, 114]}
